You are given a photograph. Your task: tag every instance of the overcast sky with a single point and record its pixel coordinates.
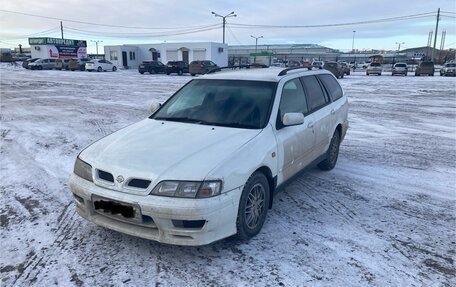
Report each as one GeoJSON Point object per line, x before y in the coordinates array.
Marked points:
{"type": "Point", "coordinates": [187, 16]}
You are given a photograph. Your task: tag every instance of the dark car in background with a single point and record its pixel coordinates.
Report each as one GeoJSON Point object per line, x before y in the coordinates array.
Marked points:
{"type": "Point", "coordinates": [201, 67]}
{"type": "Point", "coordinates": [77, 64]}
{"type": "Point", "coordinates": [25, 64]}
{"type": "Point", "coordinates": [178, 67]}
{"type": "Point", "coordinates": [151, 67]}
{"type": "Point", "coordinates": [425, 68]}
{"type": "Point", "coordinates": [61, 64]}
{"type": "Point", "coordinates": [334, 68]}
{"type": "Point", "coordinates": [345, 67]}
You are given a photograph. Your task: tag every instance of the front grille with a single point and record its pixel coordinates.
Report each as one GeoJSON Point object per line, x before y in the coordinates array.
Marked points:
{"type": "Point", "coordinates": [105, 176]}
{"type": "Point", "coordinates": [139, 183]}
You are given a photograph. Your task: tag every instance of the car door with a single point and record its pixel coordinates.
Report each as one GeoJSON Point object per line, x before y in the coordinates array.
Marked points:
{"type": "Point", "coordinates": [320, 109]}
{"type": "Point", "coordinates": [295, 143]}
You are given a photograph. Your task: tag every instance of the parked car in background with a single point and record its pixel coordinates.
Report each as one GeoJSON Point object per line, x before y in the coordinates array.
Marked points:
{"type": "Point", "coordinates": [335, 68]}
{"type": "Point", "coordinates": [25, 64]}
{"type": "Point", "coordinates": [151, 67]}
{"type": "Point", "coordinates": [42, 64]}
{"type": "Point", "coordinates": [362, 65]}
{"type": "Point", "coordinates": [345, 67]}
{"type": "Point", "coordinates": [206, 164]}
{"type": "Point", "coordinates": [374, 68]}
{"type": "Point", "coordinates": [307, 64]}
{"type": "Point", "coordinates": [425, 68]}
{"type": "Point", "coordinates": [448, 69]}
{"type": "Point", "coordinates": [61, 64]}
{"type": "Point", "coordinates": [100, 65]}
{"type": "Point", "coordinates": [178, 67]}
{"type": "Point", "coordinates": [77, 64]}
{"type": "Point", "coordinates": [399, 69]}
{"type": "Point", "coordinates": [318, 64]}
{"type": "Point", "coordinates": [201, 67]}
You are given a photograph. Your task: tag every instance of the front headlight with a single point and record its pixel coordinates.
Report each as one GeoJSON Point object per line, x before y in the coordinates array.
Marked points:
{"type": "Point", "coordinates": [188, 189]}
{"type": "Point", "coordinates": [83, 169]}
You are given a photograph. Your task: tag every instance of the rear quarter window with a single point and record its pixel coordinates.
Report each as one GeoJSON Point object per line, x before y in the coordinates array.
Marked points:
{"type": "Point", "coordinates": [332, 87]}
{"type": "Point", "coordinates": [315, 95]}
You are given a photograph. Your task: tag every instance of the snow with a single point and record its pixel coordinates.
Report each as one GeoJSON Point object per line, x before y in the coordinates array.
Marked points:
{"type": "Point", "coordinates": [385, 216]}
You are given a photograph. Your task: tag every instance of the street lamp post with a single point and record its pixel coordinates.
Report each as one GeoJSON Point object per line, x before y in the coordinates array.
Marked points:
{"type": "Point", "coordinates": [256, 45]}
{"type": "Point", "coordinates": [224, 21]}
{"type": "Point", "coordinates": [353, 42]}
{"type": "Point", "coordinates": [399, 47]}
{"type": "Point", "coordinates": [96, 43]}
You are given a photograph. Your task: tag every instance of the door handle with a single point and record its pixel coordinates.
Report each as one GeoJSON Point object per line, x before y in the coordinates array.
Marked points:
{"type": "Point", "coordinates": [333, 112]}
{"type": "Point", "coordinates": [310, 125]}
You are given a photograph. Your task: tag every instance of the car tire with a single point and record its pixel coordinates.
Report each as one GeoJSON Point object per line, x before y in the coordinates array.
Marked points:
{"type": "Point", "coordinates": [40, 67]}
{"type": "Point", "coordinates": [99, 69]}
{"type": "Point", "coordinates": [168, 74]}
{"type": "Point", "coordinates": [342, 76]}
{"type": "Point", "coordinates": [432, 75]}
{"type": "Point", "coordinates": [180, 72]}
{"type": "Point", "coordinates": [253, 206]}
{"type": "Point", "coordinates": [151, 71]}
{"type": "Point", "coordinates": [192, 74]}
{"type": "Point", "coordinates": [332, 153]}
{"type": "Point", "coordinates": [114, 68]}
{"type": "Point", "coordinates": [367, 74]}
{"type": "Point", "coordinates": [142, 73]}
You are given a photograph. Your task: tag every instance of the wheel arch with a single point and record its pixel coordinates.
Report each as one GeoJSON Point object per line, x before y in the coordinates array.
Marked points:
{"type": "Point", "coordinates": [272, 181]}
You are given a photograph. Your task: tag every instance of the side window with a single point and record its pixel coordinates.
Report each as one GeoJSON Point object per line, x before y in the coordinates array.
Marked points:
{"type": "Point", "coordinates": [315, 95]}
{"type": "Point", "coordinates": [332, 87]}
{"type": "Point", "coordinates": [293, 99]}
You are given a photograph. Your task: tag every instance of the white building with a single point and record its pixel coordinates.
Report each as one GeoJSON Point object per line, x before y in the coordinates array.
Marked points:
{"type": "Point", "coordinates": [130, 56]}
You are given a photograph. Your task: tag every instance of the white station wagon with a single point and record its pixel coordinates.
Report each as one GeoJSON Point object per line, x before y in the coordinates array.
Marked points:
{"type": "Point", "coordinates": [205, 165]}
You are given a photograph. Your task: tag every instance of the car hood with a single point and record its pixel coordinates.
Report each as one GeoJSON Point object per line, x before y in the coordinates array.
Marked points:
{"type": "Point", "coordinates": [160, 150]}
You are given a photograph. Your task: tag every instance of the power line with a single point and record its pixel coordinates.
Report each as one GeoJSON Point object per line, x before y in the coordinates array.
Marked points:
{"type": "Point", "coordinates": [234, 36]}
{"type": "Point", "coordinates": [96, 24]}
{"type": "Point", "coordinates": [399, 18]}
{"type": "Point", "coordinates": [52, 30]}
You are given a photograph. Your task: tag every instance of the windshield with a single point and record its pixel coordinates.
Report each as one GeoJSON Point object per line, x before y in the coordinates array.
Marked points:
{"type": "Point", "coordinates": [401, 65]}
{"type": "Point", "coordinates": [450, 65]}
{"type": "Point", "coordinates": [230, 103]}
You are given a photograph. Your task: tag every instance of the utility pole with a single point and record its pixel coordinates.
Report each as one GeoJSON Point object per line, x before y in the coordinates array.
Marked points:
{"type": "Point", "coordinates": [256, 46]}
{"type": "Point", "coordinates": [61, 28]}
{"type": "Point", "coordinates": [96, 43]}
{"type": "Point", "coordinates": [224, 21]}
{"type": "Point", "coordinates": [435, 34]}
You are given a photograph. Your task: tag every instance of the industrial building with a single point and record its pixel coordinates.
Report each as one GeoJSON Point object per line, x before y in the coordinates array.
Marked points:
{"type": "Point", "coordinates": [130, 56]}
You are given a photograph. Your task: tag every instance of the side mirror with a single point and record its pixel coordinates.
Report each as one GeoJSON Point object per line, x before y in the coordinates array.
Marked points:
{"type": "Point", "coordinates": [154, 107]}
{"type": "Point", "coordinates": [293, 119]}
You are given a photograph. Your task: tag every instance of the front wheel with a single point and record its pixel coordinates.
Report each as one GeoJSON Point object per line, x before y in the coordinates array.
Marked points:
{"type": "Point", "coordinates": [332, 154]}
{"type": "Point", "coordinates": [114, 68]}
{"type": "Point", "coordinates": [253, 206]}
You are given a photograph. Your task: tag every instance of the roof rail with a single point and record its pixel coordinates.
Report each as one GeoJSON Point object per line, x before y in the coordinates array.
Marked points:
{"type": "Point", "coordinates": [284, 71]}
{"type": "Point", "coordinates": [253, 66]}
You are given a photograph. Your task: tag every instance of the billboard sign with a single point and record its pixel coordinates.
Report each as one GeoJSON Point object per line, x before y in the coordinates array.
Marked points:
{"type": "Point", "coordinates": [61, 48]}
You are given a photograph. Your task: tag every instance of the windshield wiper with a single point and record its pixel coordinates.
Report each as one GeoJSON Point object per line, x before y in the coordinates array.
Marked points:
{"type": "Point", "coordinates": [238, 125]}
{"type": "Point", "coordinates": [178, 119]}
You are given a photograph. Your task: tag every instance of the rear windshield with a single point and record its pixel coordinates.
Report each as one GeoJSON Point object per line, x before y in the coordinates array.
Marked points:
{"type": "Point", "coordinates": [331, 65]}
{"type": "Point", "coordinates": [401, 65]}
{"type": "Point", "coordinates": [427, 64]}
{"type": "Point", "coordinates": [375, 64]}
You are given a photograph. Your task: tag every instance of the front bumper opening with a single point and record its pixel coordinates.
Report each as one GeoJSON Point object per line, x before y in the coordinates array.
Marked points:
{"type": "Point", "coordinates": [189, 223]}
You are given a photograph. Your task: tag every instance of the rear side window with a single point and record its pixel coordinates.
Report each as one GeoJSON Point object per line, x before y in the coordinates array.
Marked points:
{"type": "Point", "coordinates": [332, 87]}
{"type": "Point", "coordinates": [315, 96]}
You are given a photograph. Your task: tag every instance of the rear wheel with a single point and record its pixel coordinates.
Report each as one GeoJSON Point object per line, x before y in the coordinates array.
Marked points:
{"type": "Point", "coordinates": [99, 69]}
{"type": "Point", "coordinates": [40, 67]}
{"type": "Point", "coordinates": [180, 72]}
{"type": "Point", "coordinates": [192, 74]}
{"type": "Point", "coordinates": [253, 206]}
{"type": "Point", "coordinates": [332, 154]}
{"type": "Point", "coordinates": [114, 68]}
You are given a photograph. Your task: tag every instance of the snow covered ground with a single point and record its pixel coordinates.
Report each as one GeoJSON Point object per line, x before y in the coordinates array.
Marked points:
{"type": "Point", "coordinates": [385, 216]}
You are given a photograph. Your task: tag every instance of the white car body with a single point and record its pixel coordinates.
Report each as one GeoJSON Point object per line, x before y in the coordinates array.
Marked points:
{"type": "Point", "coordinates": [399, 68]}
{"type": "Point", "coordinates": [158, 151]}
{"type": "Point", "coordinates": [374, 68]}
{"type": "Point", "coordinates": [100, 65]}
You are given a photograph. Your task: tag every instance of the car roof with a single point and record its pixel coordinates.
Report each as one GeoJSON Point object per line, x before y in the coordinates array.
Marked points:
{"type": "Point", "coordinates": [270, 74]}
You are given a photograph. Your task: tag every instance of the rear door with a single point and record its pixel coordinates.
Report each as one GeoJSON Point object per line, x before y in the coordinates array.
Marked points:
{"type": "Point", "coordinates": [320, 109]}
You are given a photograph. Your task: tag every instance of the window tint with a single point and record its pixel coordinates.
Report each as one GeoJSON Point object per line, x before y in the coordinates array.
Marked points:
{"type": "Point", "coordinates": [315, 96]}
{"type": "Point", "coordinates": [332, 87]}
{"type": "Point", "coordinates": [293, 99]}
